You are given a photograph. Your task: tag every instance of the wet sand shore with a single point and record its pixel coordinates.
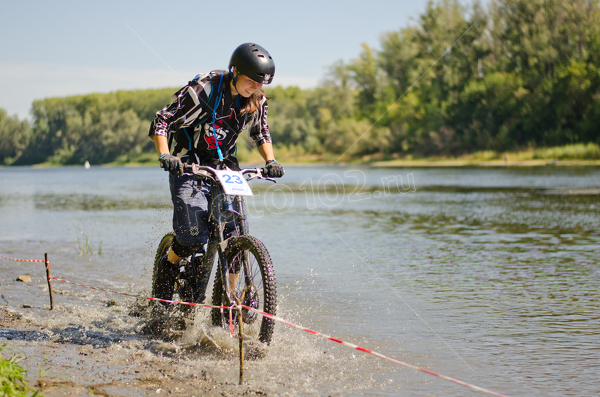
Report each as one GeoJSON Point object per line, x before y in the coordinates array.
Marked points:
{"type": "Point", "coordinates": [69, 369]}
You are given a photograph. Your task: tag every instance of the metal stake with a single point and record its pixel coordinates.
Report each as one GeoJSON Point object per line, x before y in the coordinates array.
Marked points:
{"type": "Point", "coordinates": [241, 339]}
{"type": "Point", "coordinates": [47, 262]}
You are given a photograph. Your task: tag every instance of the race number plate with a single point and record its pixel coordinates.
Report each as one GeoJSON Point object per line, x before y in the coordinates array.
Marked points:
{"type": "Point", "coordinates": [234, 183]}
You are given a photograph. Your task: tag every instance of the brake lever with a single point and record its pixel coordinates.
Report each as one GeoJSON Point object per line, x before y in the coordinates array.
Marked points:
{"type": "Point", "coordinates": [263, 176]}
{"type": "Point", "coordinates": [260, 175]}
{"type": "Point", "coordinates": [198, 172]}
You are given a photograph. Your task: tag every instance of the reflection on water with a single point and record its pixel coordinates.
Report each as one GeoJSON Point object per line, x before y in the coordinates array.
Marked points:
{"type": "Point", "coordinates": [486, 275]}
{"type": "Point", "coordinates": [85, 202]}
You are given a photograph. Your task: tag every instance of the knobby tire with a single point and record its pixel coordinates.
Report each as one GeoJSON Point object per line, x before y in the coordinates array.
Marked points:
{"type": "Point", "coordinates": [259, 286]}
{"type": "Point", "coordinates": [163, 248]}
{"type": "Point", "coordinates": [183, 284]}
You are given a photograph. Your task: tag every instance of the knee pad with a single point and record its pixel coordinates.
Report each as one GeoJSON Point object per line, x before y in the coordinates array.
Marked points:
{"type": "Point", "coordinates": [181, 250]}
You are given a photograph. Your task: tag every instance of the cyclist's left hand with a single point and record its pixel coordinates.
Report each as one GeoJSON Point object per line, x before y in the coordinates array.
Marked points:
{"type": "Point", "coordinates": [273, 169]}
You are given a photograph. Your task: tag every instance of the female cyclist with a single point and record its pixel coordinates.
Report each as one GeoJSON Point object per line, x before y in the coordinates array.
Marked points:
{"type": "Point", "coordinates": [205, 120]}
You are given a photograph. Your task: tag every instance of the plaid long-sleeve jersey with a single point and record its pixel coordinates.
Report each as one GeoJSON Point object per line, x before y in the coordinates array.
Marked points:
{"type": "Point", "coordinates": [190, 118]}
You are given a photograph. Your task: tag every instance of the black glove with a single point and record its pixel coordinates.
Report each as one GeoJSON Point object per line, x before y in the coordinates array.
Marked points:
{"type": "Point", "coordinates": [171, 163]}
{"type": "Point", "coordinates": [273, 169]}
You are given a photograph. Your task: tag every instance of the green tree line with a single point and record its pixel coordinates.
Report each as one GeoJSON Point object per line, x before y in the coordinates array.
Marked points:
{"type": "Point", "coordinates": [460, 79]}
{"type": "Point", "coordinates": [98, 128]}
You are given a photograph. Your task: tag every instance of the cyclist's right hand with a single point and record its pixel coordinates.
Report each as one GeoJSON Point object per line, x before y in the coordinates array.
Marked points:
{"type": "Point", "coordinates": [273, 169]}
{"type": "Point", "coordinates": [171, 163]}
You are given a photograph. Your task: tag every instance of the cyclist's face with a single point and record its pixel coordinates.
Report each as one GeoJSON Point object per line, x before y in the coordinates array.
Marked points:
{"type": "Point", "coordinates": [246, 86]}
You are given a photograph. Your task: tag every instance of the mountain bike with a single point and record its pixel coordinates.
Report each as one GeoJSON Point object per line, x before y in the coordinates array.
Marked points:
{"type": "Point", "coordinates": [245, 270]}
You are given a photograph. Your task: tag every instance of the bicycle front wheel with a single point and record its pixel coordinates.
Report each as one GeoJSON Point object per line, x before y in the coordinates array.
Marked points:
{"type": "Point", "coordinates": [252, 280]}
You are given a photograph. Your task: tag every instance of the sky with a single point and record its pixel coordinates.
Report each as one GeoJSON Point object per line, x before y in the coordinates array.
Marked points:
{"type": "Point", "coordinates": [61, 48]}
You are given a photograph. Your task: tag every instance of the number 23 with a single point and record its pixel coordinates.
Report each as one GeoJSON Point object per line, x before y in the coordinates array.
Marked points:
{"type": "Point", "coordinates": [236, 179]}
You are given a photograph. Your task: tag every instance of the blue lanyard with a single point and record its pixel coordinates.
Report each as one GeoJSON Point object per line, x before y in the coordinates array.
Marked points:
{"type": "Point", "coordinates": [216, 104]}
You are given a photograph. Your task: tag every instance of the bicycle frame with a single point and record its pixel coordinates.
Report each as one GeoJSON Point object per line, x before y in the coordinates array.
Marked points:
{"type": "Point", "coordinates": [222, 206]}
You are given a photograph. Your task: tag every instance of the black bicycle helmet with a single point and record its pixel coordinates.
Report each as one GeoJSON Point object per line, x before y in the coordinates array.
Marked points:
{"type": "Point", "coordinates": [253, 61]}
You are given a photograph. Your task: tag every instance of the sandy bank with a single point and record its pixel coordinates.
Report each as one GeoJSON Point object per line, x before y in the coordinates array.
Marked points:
{"type": "Point", "coordinates": [67, 369]}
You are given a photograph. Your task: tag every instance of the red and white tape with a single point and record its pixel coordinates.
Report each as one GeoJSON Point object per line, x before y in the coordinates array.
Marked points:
{"type": "Point", "coordinates": [279, 319]}
{"type": "Point", "coordinates": [22, 260]}
{"type": "Point", "coordinates": [139, 296]}
{"type": "Point", "coordinates": [362, 349]}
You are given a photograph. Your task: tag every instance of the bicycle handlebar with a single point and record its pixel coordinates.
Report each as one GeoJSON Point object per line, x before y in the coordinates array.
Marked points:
{"type": "Point", "coordinates": [203, 170]}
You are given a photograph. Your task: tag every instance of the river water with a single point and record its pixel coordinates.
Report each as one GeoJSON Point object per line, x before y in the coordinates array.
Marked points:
{"type": "Point", "coordinates": [490, 276]}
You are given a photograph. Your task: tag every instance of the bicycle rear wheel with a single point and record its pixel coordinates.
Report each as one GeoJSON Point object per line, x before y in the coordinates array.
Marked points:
{"type": "Point", "coordinates": [252, 280]}
{"type": "Point", "coordinates": [168, 282]}
{"type": "Point", "coordinates": [163, 278]}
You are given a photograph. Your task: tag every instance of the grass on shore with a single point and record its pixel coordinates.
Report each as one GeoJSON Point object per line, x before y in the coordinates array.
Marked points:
{"type": "Point", "coordinates": [579, 151]}
{"type": "Point", "coordinates": [13, 378]}
{"type": "Point", "coordinates": [588, 154]}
